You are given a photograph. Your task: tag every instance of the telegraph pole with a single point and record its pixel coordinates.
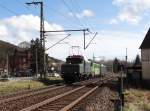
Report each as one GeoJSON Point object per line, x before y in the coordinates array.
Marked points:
{"type": "Point", "coordinates": [42, 36]}
{"type": "Point", "coordinates": [7, 63]}
{"type": "Point", "coordinates": [126, 55]}
{"type": "Point", "coordinates": [84, 38]}
{"type": "Point", "coordinates": [36, 63]}
{"type": "Point", "coordinates": [126, 60]}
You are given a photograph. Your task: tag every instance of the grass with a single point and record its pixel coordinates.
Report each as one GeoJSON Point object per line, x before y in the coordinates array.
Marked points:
{"type": "Point", "coordinates": [13, 86]}
{"type": "Point", "coordinates": [137, 100]}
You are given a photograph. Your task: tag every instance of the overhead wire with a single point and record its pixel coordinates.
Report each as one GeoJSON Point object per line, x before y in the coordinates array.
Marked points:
{"type": "Point", "coordinates": [79, 10]}
{"type": "Point", "coordinates": [24, 5]}
{"type": "Point", "coordinates": [87, 19]}
{"type": "Point", "coordinates": [75, 16]}
{"type": "Point", "coordinates": [63, 15]}
{"type": "Point", "coordinates": [8, 10]}
{"type": "Point", "coordinates": [58, 41]}
{"type": "Point", "coordinates": [87, 22]}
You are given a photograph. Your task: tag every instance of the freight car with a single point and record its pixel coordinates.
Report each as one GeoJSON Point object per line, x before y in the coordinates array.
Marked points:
{"type": "Point", "coordinates": [76, 69]}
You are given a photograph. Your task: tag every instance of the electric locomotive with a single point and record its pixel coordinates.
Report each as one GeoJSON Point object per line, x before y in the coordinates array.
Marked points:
{"type": "Point", "coordinates": [75, 69]}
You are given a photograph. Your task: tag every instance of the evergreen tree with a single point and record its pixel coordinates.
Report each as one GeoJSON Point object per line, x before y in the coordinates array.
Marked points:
{"type": "Point", "coordinates": [37, 50]}
{"type": "Point", "coordinates": [116, 65]}
{"type": "Point", "coordinates": [137, 60]}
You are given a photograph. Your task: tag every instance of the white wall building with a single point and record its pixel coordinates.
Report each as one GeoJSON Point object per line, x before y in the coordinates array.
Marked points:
{"type": "Point", "coordinates": [145, 57]}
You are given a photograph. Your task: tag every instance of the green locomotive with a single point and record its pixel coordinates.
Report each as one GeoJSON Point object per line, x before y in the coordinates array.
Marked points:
{"type": "Point", "coordinates": [76, 69]}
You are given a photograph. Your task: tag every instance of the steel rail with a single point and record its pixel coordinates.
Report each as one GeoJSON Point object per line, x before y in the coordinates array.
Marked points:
{"type": "Point", "coordinates": [30, 94]}
{"type": "Point", "coordinates": [71, 105]}
{"type": "Point", "coordinates": [33, 107]}
{"type": "Point", "coordinates": [25, 91]}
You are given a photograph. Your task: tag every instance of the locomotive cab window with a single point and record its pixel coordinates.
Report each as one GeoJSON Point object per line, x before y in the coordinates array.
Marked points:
{"type": "Point", "coordinates": [74, 60]}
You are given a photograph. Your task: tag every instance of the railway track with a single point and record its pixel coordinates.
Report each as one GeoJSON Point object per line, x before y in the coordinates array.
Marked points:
{"type": "Point", "coordinates": [27, 91]}
{"type": "Point", "coordinates": [52, 95]}
{"type": "Point", "coordinates": [21, 101]}
{"type": "Point", "coordinates": [64, 101]}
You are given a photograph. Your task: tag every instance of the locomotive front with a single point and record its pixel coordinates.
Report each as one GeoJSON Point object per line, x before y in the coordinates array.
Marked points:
{"type": "Point", "coordinates": [72, 69]}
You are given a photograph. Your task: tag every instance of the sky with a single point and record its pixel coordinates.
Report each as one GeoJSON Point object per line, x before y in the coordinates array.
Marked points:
{"type": "Point", "coordinates": [120, 24]}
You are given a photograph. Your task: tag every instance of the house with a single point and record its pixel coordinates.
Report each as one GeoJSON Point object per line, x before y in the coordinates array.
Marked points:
{"type": "Point", "coordinates": [20, 62]}
{"type": "Point", "coordinates": [145, 57]}
{"type": "Point", "coordinates": [54, 65]}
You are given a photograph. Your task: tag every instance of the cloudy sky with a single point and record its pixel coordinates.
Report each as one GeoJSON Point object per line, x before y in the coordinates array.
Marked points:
{"type": "Point", "coordinates": [120, 24]}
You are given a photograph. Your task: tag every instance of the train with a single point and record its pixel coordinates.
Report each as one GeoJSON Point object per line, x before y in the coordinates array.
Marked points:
{"type": "Point", "coordinates": [76, 68]}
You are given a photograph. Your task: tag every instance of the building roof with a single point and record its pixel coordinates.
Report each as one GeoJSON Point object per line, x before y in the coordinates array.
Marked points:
{"type": "Point", "coordinates": [146, 42]}
{"type": "Point", "coordinates": [24, 45]}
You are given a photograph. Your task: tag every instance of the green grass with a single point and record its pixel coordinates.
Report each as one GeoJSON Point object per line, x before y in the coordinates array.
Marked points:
{"type": "Point", "coordinates": [13, 86]}
{"type": "Point", "coordinates": [137, 100]}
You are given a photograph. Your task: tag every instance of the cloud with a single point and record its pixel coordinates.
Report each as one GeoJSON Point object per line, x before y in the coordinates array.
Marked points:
{"type": "Point", "coordinates": [111, 44]}
{"type": "Point", "coordinates": [132, 11]}
{"type": "Point", "coordinates": [84, 13]}
{"type": "Point", "coordinates": [16, 29]}
{"type": "Point", "coordinates": [108, 43]}
{"type": "Point", "coordinates": [113, 21]}
{"type": "Point", "coordinates": [87, 13]}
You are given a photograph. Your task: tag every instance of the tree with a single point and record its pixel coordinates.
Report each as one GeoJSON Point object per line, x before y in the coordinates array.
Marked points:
{"type": "Point", "coordinates": [37, 50]}
{"type": "Point", "coordinates": [137, 60]}
{"type": "Point", "coordinates": [116, 65]}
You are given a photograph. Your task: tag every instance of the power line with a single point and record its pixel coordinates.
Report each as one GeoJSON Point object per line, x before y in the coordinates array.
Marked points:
{"type": "Point", "coordinates": [26, 7]}
{"type": "Point", "coordinates": [79, 7]}
{"type": "Point", "coordinates": [79, 10]}
{"type": "Point", "coordinates": [63, 15]}
{"type": "Point", "coordinates": [72, 13]}
{"type": "Point", "coordinates": [58, 42]}
{"type": "Point", "coordinates": [9, 10]}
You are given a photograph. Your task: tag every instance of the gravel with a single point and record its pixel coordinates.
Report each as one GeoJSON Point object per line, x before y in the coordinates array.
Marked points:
{"type": "Point", "coordinates": [100, 100]}
{"type": "Point", "coordinates": [28, 101]}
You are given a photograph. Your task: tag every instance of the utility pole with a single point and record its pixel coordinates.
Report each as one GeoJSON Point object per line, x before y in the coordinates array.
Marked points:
{"type": "Point", "coordinates": [84, 38]}
{"type": "Point", "coordinates": [7, 63]}
{"type": "Point", "coordinates": [42, 36]}
{"type": "Point", "coordinates": [126, 60]}
{"type": "Point", "coordinates": [121, 90]}
{"type": "Point", "coordinates": [36, 63]}
{"type": "Point", "coordinates": [126, 55]}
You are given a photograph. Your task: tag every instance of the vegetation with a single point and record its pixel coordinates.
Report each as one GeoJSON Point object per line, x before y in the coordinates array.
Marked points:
{"type": "Point", "coordinates": [13, 86]}
{"type": "Point", "coordinates": [37, 53]}
{"type": "Point", "coordinates": [116, 66]}
{"type": "Point", "coordinates": [137, 60]}
{"type": "Point", "coordinates": [137, 100]}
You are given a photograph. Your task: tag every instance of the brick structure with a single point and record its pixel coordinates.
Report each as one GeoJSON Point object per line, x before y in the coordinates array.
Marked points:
{"type": "Point", "coordinates": [20, 62]}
